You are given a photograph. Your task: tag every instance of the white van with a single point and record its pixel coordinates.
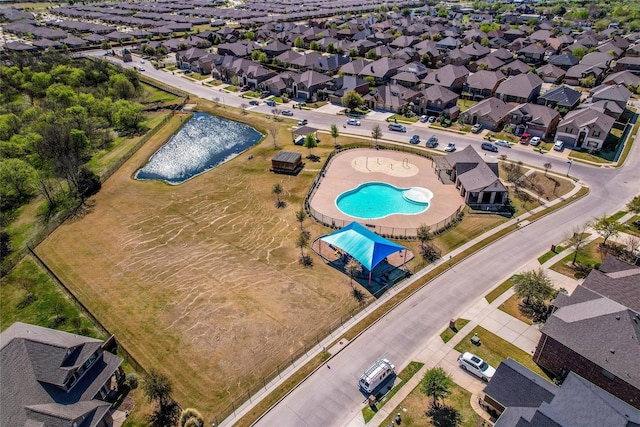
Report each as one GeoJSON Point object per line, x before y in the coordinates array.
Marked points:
{"type": "Point", "coordinates": [376, 375]}
{"type": "Point", "coordinates": [299, 140]}
{"type": "Point", "coordinates": [558, 146]}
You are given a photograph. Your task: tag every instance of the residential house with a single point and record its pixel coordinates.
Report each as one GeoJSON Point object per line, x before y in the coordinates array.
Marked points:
{"type": "Point", "coordinates": [185, 58]}
{"type": "Point", "coordinates": [331, 64]}
{"type": "Point", "coordinates": [532, 54]}
{"type": "Point", "coordinates": [308, 83]}
{"type": "Point", "coordinates": [449, 76]}
{"type": "Point", "coordinates": [561, 97]}
{"type": "Point", "coordinates": [54, 378]}
{"type": "Point", "coordinates": [491, 113]}
{"type": "Point", "coordinates": [521, 88]}
{"type": "Point", "coordinates": [626, 78]}
{"type": "Point", "coordinates": [576, 74]}
{"type": "Point", "coordinates": [391, 97]}
{"type": "Point", "coordinates": [339, 86]}
{"type": "Point", "coordinates": [381, 70]}
{"type": "Point", "coordinates": [280, 84]}
{"type": "Point", "coordinates": [585, 128]}
{"type": "Point", "coordinates": [482, 84]}
{"type": "Point", "coordinates": [514, 68]}
{"type": "Point", "coordinates": [628, 63]}
{"type": "Point", "coordinates": [534, 119]}
{"type": "Point", "coordinates": [241, 49]}
{"type": "Point", "coordinates": [489, 62]}
{"type": "Point", "coordinates": [551, 74]}
{"type": "Point", "coordinates": [595, 332]}
{"type": "Point", "coordinates": [475, 51]}
{"type": "Point", "coordinates": [436, 100]}
{"type": "Point", "coordinates": [564, 61]}
{"type": "Point", "coordinates": [448, 43]}
{"type": "Point", "coordinates": [354, 67]}
{"type": "Point", "coordinates": [476, 180]}
{"type": "Point", "coordinates": [457, 57]}
{"type": "Point", "coordinates": [522, 398]}
{"type": "Point", "coordinates": [275, 48]}
{"type": "Point", "coordinates": [306, 61]}
{"type": "Point", "coordinates": [616, 93]}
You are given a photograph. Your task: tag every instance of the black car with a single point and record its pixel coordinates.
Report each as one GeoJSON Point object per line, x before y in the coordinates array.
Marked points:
{"type": "Point", "coordinates": [432, 142]}
{"type": "Point", "coordinates": [489, 147]}
{"type": "Point", "coordinates": [254, 102]}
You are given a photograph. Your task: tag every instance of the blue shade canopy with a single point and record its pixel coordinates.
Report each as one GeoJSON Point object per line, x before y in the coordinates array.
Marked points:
{"type": "Point", "coordinates": [362, 244]}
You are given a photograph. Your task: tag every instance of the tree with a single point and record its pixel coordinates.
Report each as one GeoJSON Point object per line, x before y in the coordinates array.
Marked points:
{"type": "Point", "coordinates": [353, 268]}
{"type": "Point", "coordinates": [634, 205]}
{"type": "Point", "coordinates": [352, 100]}
{"type": "Point", "coordinates": [310, 142]}
{"type": "Point", "coordinates": [314, 45]}
{"type": "Point", "coordinates": [547, 167]}
{"type": "Point", "coordinates": [300, 216]}
{"type": "Point", "coordinates": [606, 227]}
{"type": "Point", "coordinates": [436, 384]}
{"type": "Point", "coordinates": [334, 133]}
{"type": "Point", "coordinates": [301, 242]}
{"type": "Point", "coordinates": [243, 107]}
{"type": "Point", "coordinates": [371, 54]}
{"type": "Point", "coordinates": [588, 81]}
{"type": "Point", "coordinates": [17, 179]}
{"type": "Point", "coordinates": [578, 52]}
{"type": "Point", "coordinates": [376, 133]}
{"type": "Point", "coordinates": [277, 190]}
{"type": "Point", "coordinates": [298, 42]}
{"type": "Point", "coordinates": [157, 388]}
{"type": "Point", "coordinates": [191, 418]}
{"type": "Point", "coordinates": [276, 113]}
{"type": "Point", "coordinates": [577, 240]}
{"type": "Point", "coordinates": [274, 134]}
{"type": "Point", "coordinates": [533, 286]}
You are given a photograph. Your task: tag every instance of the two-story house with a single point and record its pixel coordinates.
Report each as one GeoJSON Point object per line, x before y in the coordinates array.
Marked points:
{"type": "Point", "coordinates": [585, 128]}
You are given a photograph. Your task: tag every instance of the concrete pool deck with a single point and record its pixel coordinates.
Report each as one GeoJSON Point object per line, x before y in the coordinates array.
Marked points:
{"type": "Point", "coordinates": [351, 168]}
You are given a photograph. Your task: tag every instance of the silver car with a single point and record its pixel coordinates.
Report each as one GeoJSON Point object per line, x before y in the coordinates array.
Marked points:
{"type": "Point", "coordinates": [502, 143]}
{"type": "Point", "coordinates": [478, 367]}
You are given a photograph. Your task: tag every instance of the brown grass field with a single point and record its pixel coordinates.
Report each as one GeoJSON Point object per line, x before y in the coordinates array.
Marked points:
{"type": "Point", "coordinates": [202, 280]}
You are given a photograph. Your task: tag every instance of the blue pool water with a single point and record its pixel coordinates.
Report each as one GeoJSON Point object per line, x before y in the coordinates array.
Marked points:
{"type": "Point", "coordinates": [203, 143]}
{"type": "Point", "coordinates": [374, 200]}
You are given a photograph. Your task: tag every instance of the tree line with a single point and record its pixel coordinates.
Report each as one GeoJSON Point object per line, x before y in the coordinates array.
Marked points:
{"type": "Point", "coordinates": [55, 113]}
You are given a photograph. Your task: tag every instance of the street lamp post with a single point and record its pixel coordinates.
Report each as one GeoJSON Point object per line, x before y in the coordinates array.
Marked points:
{"type": "Point", "coordinates": [570, 162]}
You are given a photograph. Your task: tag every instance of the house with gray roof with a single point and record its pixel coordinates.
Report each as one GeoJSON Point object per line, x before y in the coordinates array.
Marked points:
{"type": "Point", "coordinates": [437, 100]}
{"type": "Point", "coordinates": [626, 78]}
{"type": "Point", "coordinates": [561, 97]}
{"type": "Point", "coordinates": [521, 88]}
{"type": "Point", "coordinates": [615, 93]}
{"type": "Point", "coordinates": [54, 378]}
{"type": "Point", "coordinates": [534, 119]}
{"type": "Point", "coordinates": [476, 180]}
{"type": "Point", "coordinates": [390, 97]}
{"type": "Point", "coordinates": [308, 83]}
{"type": "Point", "coordinates": [482, 84]}
{"type": "Point", "coordinates": [549, 73]}
{"type": "Point", "coordinates": [534, 402]}
{"type": "Point", "coordinates": [382, 69]}
{"type": "Point", "coordinates": [577, 73]}
{"type": "Point", "coordinates": [595, 332]}
{"type": "Point", "coordinates": [585, 128]}
{"type": "Point", "coordinates": [628, 63]}
{"type": "Point", "coordinates": [491, 113]}
{"type": "Point", "coordinates": [449, 76]}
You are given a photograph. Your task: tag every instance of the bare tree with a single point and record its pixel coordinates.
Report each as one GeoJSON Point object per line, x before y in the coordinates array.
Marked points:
{"type": "Point", "coordinates": [353, 268]}
{"type": "Point", "coordinates": [606, 227]}
{"type": "Point", "coordinates": [277, 190]}
{"type": "Point", "coordinates": [216, 101]}
{"type": "Point", "coordinates": [376, 133]}
{"type": "Point", "coordinates": [547, 168]}
{"type": "Point", "coordinates": [633, 245]}
{"type": "Point", "coordinates": [578, 239]}
{"type": "Point", "coordinates": [274, 133]}
{"type": "Point", "coordinates": [276, 113]}
{"type": "Point", "coordinates": [243, 107]}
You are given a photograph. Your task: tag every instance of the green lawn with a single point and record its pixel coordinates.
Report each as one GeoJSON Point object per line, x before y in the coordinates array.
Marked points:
{"type": "Point", "coordinates": [616, 216]}
{"type": "Point", "coordinates": [413, 408]}
{"type": "Point", "coordinates": [29, 295]}
{"type": "Point", "coordinates": [495, 293]}
{"type": "Point", "coordinates": [494, 350]}
{"type": "Point", "coordinates": [405, 375]}
{"type": "Point", "coordinates": [547, 256]}
{"type": "Point", "coordinates": [449, 333]}
{"type": "Point", "coordinates": [588, 257]}
{"type": "Point", "coordinates": [402, 119]}
{"type": "Point", "coordinates": [465, 104]}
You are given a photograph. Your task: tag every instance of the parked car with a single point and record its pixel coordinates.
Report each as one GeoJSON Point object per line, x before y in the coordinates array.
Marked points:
{"type": "Point", "coordinates": [270, 102]}
{"type": "Point", "coordinates": [451, 147]}
{"type": "Point", "coordinates": [476, 128]}
{"type": "Point", "coordinates": [142, 61]}
{"type": "Point", "coordinates": [432, 142]}
{"type": "Point", "coordinates": [424, 119]}
{"type": "Point", "coordinates": [524, 139]}
{"type": "Point", "coordinates": [141, 68]}
{"type": "Point", "coordinates": [432, 119]}
{"type": "Point", "coordinates": [254, 102]}
{"type": "Point", "coordinates": [471, 363]}
{"type": "Point", "coordinates": [559, 145]}
{"type": "Point", "coordinates": [287, 113]}
{"type": "Point", "coordinates": [302, 122]}
{"type": "Point", "coordinates": [397, 127]}
{"type": "Point", "coordinates": [502, 143]}
{"type": "Point", "coordinates": [264, 94]}
{"type": "Point", "coordinates": [415, 139]}
{"type": "Point", "coordinates": [535, 141]}
{"type": "Point", "coordinates": [489, 147]}
{"type": "Point", "coordinates": [353, 122]}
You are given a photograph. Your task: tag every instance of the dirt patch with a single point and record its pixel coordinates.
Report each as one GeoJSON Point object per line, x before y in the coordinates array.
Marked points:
{"type": "Point", "coordinates": [202, 280]}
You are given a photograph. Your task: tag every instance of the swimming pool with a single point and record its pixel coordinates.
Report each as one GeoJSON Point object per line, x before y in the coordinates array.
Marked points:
{"type": "Point", "coordinates": [374, 200]}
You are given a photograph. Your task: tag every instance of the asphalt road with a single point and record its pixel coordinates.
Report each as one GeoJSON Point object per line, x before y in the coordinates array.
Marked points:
{"type": "Point", "coordinates": [330, 397]}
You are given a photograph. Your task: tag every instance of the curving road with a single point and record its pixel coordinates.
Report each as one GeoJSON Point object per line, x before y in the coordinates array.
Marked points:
{"type": "Point", "coordinates": [330, 397]}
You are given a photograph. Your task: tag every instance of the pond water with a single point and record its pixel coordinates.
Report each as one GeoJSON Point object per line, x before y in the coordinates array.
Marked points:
{"type": "Point", "coordinates": [203, 143]}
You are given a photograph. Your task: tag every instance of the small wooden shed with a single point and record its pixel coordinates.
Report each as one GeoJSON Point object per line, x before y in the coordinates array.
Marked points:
{"type": "Point", "coordinates": [287, 162]}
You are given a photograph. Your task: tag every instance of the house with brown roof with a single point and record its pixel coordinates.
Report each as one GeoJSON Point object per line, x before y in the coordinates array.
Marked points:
{"type": "Point", "coordinates": [391, 97]}
{"type": "Point", "coordinates": [595, 332]}
{"type": "Point", "coordinates": [521, 88]}
{"type": "Point", "coordinates": [185, 58]}
{"type": "Point", "coordinates": [534, 119]}
{"type": "Point", "coordinates": [55, 378]}
{"type": "Point", "coordinates": [339, 86]}
{"type": "Point", "coordinates": [628, 63]}
{"type": "Point", "coordinates": [476, 179]}
{"type": "Point", "coordinates": [308, 83]}
{"type": "Point", "coordinates": [482, 84]}
{"type": "Point", "coordinates": [492, 113]}
{"type": "Point", "coordinates": [381, 70]}
{"type": "Point", "coordinates": [549, 73]}
{"type": "Point", "coordinates": [449, 76]}
{"type": "Point", "coordinates": [436, 100]}
{"type": "Point", "coordinates": [515, 67]}
{"type": "Point", "coordinates": [626, 78]}
{"type": "Point", "coordinates": [585, 128]}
